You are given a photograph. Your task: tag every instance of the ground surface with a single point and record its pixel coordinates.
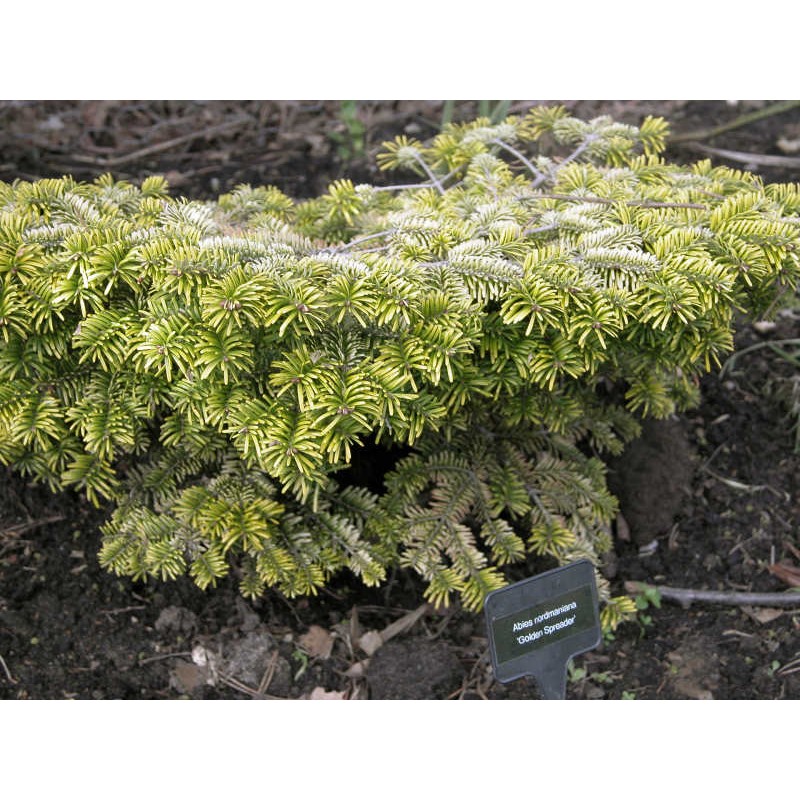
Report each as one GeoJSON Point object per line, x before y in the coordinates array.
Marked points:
{"type": "Point", "coordinates": [718, 488]}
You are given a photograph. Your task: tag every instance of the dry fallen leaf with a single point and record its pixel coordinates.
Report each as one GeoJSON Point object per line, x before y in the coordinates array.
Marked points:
{"type": "Point", "coordinates": [370, 642]}
{"type": "Point", "coordinates": [623, 530]}
{"type": "Point", "coordinates": [317, 642]}
{"type": "Point", "coordinates": [762, 615]}
{"type": "Point", "coordinates": [786, 572]}
{"type": "Point", "coordinates": [189, 676]}
{"type": "Point", "coordinates": [318, 693]}
{"type": "Point", "coordinates": [357, 670]}
{"type": "Point", "coordinates": [405, 622]}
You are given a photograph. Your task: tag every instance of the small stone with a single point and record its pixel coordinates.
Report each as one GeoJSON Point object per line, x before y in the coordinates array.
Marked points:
{"type": "Point", "coordinates": [176, 619]}
{"type": "Point", "coordinates": [764, 326]}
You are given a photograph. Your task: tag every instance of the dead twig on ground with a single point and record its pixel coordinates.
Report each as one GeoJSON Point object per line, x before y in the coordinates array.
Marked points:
{"type": "Point", "coordinates": [739, 122]}
{"type": "Point", "coordinates": [688, 596]}
{"type": "Point", "coordinates": [6, 670]}
{"type": "Point", "coordinates": [233, 683]}
{"type": "Point", "coordinates": [160, 147]}
{"type": "Point", "coordinates": [759, 159]}
{"type": "Point", "coordinates": [268, 673]}
{"type": "Point", "coordinates": [15, 530]}
{"type": "Point", "coordinates": [164, 656]}
{"type": "Point", "coordinates": [789, 668]}
{"type": "Point", "coordinates": [743, 487]}
{"type": "Point", "coordinates": [113, 611]}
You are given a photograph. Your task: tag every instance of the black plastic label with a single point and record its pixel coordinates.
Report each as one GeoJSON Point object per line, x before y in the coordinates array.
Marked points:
{"type": "Point", "coordinates": [544, 624]}
{"type": "Point", "coordinates": [535, 626]}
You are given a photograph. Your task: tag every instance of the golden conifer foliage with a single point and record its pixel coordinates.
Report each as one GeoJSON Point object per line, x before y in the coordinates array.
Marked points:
{"type": "Point", "coordinates": [212, 367]}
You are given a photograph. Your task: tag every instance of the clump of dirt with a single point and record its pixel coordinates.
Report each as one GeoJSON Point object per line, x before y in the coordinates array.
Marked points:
{"type": "Point", "coordinates": [414, 669]}
{"type": "Point", "coordinates": [651, 478]}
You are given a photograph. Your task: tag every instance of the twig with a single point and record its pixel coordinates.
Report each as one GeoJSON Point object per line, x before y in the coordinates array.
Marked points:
{"type": "Point", "coordinates": [26, 526]}
{"type": "Point", "coordinates": [268, 674]}
{"type": "Point", "coordinates": [592, 137]}
{"type": "Point", "coordinates": [688, 596]}
{"type": "Point", "coordinates": [360, 240]}
{"type": "Point", "coordinates": [743, 487]}
{"type": "Point", "coordinates": [432, 177]}
{"type": "Point", "coordinates": [540, 176]}
{"type": "Point", "coordinates": [163, 656]}
{"type": "Point", "coordinates": [774, 344]}
{"type": "Point", "coordinates": [117, 161]}
{"type": "Point", "coordinates": [229, 680]}
{"type": "Point", "coordinates": [633, 203]}
{"type": "Point", "coordinates": [111, 612]}
{"type": "Point", "coordinates": [788, 669]}
{"type": "Point", "coordinates": [739, 122]}
{"type": "Point", "coordinates": [405, 622]}
{"type": "Point", "coordinates": [540, 229]}
{"type": "Point", "coordinates": [400, 187]}
{"type": "Point", "coordinates": [759, 159]}
{"type": "Point", "coordinates": [5, 669]}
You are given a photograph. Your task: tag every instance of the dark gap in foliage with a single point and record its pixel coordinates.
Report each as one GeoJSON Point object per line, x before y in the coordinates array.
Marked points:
{"type": "Point", "coordinates": [370, 463]}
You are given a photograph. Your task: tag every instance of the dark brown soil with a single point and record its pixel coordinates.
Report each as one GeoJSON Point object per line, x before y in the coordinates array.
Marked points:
{"type": "Point", "coordinates": [712, 496]}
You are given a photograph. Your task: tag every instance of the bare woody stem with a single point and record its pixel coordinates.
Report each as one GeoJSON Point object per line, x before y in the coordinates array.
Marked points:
{"type": "Point", "coordinates": [580, 149]}
{"type": "Point", "coordinates": [537, 174]}
{"type": "Point", "coordinates": [402, 186]}
{"type": "Point", "coordinates": [355, 242]}
{"type": "Point", "coordinates": [15, 530]}
{"type": "Point", "coordinates": [688, 596]}
{"type": "Point", "coordinates": [540, 229]}
{"type": "Point", "coordinates": [434, 180]}
{"type": "Point", "coordinates": [633, 203]}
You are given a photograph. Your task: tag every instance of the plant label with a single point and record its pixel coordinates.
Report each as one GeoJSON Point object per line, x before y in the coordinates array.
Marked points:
{"type": "Point", "coordinates": [537, 625]}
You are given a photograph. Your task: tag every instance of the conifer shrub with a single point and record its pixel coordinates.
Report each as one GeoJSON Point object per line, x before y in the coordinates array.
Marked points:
{"type": "Point", "coordinates": [489, 329]}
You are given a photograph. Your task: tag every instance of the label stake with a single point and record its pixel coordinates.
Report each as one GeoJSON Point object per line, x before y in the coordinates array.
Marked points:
{"type": "Point", "coordinates": [537, 625]}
